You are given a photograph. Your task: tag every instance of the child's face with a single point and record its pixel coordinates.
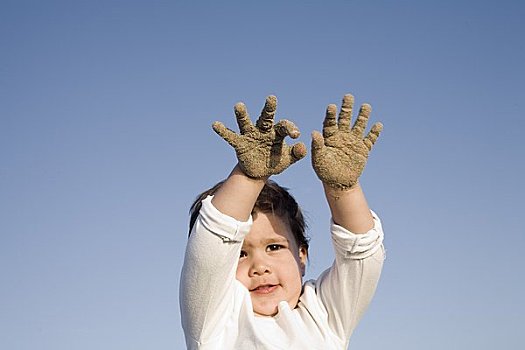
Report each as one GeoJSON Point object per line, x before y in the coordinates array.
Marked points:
{"type": "Point", "coordinates": [271, 264]}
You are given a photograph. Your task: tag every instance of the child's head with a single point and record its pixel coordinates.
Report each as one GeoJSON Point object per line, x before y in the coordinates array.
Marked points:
{"type": "Point", "coordinates": [272, 199]}
{"type": "Point", "coordinates": [273, 255]}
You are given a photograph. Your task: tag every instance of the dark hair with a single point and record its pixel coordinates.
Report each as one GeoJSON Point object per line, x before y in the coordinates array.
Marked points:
{"type": "Point", "coordinates": [272, 199]}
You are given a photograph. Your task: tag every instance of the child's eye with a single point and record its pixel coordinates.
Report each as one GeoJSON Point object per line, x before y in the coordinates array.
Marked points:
{"type": "Point", "coordinates": [243, 254]}
{"type": "Point", "coordinates": [274, 247]}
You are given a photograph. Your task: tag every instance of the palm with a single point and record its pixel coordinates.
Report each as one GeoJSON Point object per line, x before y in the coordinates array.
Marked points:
{"type": "Point", "coordinates": [260, 148]}
{"type": "Point", "coordinates": [339, 156]}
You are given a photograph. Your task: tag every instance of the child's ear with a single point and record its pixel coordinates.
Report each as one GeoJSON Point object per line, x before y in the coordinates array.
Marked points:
{"type": "Point", "coordinates": [303, 256]}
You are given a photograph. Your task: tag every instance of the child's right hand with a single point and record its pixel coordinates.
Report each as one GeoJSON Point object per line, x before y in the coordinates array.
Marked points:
{"type": "Point", "coordinates": [261, 150]}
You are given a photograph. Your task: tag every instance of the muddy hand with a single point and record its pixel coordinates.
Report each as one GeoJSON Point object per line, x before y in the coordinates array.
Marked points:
{"type": "Point", "coordinates": [260, 148]}
{"type": "Point", "coordinates": [339, 155]}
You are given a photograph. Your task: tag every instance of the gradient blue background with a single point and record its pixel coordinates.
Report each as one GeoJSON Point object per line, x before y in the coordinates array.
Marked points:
{"type": "Point", "coordinates": [105, 139]}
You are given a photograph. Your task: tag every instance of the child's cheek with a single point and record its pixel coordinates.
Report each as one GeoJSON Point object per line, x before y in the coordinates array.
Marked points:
{"type": "Point", "coordinates": [242, 274]}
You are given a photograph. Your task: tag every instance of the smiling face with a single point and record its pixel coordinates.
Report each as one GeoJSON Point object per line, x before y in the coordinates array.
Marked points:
{"type": "Point", "coordinates": [271, 264]}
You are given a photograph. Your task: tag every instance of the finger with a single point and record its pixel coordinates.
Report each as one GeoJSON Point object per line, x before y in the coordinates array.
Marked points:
{"type": "Point", "coordinates": [298, 151]}
{"type": "Point", "coordinates": [287, 128]}
{"type": "Point", "coordinates": [243, 119]}
{"type": "Point", "coordinates": [329, 124]}
{"type": "Point", "coordinates": [317, 141]}
{"type": "Point", "coordinates": [346, 112]}
{"type": "Point", "coordinates": [372, 136]}
{"type": "Point", "coordinates": [228, 135]}
{"type": "Point", "coordinates": [362, 119]}
{"type": "Point", "coordinates": [265, 121]}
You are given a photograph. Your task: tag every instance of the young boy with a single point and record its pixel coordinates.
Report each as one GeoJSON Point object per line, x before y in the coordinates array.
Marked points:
{"type": "Point", "coordinates": [241, 284]}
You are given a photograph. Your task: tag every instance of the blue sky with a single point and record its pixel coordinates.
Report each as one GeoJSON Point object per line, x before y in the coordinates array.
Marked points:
{"type": "Point", "coordinates": [105, 139]}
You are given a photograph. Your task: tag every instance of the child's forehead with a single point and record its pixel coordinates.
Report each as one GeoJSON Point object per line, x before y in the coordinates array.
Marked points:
{"type": "Point", "coordinates": [280, 218]}
{"type": "Point", "coordinates": [268, 228]}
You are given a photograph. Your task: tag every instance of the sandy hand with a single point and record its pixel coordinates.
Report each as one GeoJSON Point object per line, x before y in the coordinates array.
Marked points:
{"type": "Point", "coordinates": [340, 154]}
{"type": "Point", "coordinates": [261, 150]}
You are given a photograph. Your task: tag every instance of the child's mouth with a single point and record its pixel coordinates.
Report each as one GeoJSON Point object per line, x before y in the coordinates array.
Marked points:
{"type": "Point", "coordinates": [264, 289]}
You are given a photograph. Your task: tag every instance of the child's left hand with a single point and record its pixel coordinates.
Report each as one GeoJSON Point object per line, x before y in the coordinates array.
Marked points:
{"type": "Point", "coordinates": [340, 154]}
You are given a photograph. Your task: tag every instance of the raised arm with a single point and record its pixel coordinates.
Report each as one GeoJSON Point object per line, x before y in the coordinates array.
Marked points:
{"type": "Point", "coordinates": [349, 208]}
{"type": "Point", "coordinates": [207, 287]}
{"type": "Point", "coordinates": [339, 156]}
{"type": "Point", "coordinates": [261, 152]}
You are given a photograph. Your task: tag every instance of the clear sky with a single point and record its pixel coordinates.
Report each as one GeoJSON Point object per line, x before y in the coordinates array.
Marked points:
{"type": "Point", "coordinates": [105, 139]}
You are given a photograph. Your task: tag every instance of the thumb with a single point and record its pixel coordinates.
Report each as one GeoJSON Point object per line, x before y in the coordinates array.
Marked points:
{"type": "Point", "coordinates": [298, 151]}
{"type": "Point", "coordinates": [227, 134]}
{"type": "Point", "coordinates": [317, 141]}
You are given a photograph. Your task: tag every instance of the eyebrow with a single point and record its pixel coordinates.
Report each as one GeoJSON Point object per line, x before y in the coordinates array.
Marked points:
{"type": "Point", "coordinates": [268, 241]}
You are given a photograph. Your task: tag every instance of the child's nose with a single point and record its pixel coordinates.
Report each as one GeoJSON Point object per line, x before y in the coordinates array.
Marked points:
{"type": "Point", "coordinates": [260, 270]}
{"type": "Point", "coordinates": [259, 267]}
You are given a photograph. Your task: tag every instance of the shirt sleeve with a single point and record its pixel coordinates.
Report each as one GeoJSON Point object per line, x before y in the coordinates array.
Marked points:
{"type": "Point", "coordinates": [207, 280]}
{"type": "Point", "coordinates": [347, 287]}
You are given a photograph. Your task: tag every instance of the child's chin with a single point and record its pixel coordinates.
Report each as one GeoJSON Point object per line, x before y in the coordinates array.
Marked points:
{"type": "Point", "coordinates": [266, 311]}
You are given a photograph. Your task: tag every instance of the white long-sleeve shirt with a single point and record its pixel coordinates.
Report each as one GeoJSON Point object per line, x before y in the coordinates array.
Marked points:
{"type": "Point", "coordinates": [217, 311]}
